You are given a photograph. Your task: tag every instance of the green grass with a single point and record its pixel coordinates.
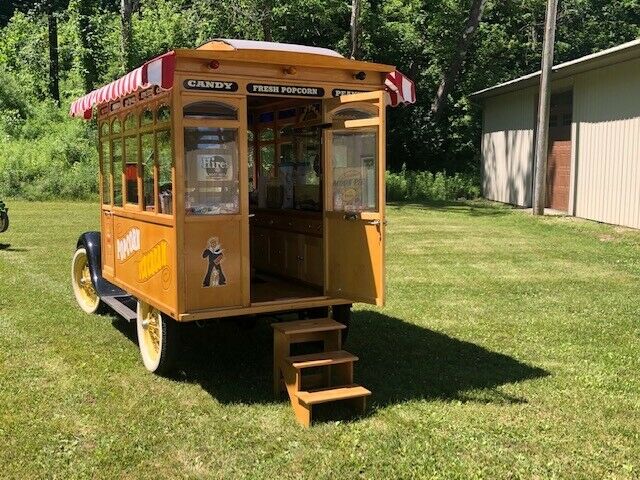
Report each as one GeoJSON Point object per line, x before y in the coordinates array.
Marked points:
{"type": "Point", "coordinates": [508, 349]}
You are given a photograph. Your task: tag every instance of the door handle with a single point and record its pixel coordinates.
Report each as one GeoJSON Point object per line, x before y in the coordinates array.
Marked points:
{"type": "Point", "coordinates": [376, 222]}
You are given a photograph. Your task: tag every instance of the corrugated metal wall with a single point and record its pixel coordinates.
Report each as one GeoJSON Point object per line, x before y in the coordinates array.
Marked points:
{"type": "Point", "coordinates": [606, 140]}
{"type": "Point", "coordinates": [507, 147]}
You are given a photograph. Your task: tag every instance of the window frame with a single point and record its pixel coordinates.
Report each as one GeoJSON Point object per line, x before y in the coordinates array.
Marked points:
{"type": "Point", "coordinates": [153, 104]}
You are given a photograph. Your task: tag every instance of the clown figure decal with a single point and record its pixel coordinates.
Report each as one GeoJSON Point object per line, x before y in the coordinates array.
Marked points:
{"type": "Point", "coordinates": [214, 254]}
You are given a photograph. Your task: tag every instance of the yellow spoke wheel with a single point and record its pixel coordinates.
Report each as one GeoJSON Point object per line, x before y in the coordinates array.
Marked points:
{"type": "Point", "coordinates": [156, 338]}
{"type": "Point", "coordinates": [85, 294]}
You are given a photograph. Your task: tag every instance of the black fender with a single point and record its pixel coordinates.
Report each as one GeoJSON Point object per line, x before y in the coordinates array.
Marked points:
{"type": "Point", "coordinates": [91, 242]}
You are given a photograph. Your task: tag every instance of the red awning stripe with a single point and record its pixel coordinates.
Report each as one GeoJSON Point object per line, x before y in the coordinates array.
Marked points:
{"type": "Point", "coordinates": [158, 71]}
{"type": "Point", "coordinates": [401, 89]}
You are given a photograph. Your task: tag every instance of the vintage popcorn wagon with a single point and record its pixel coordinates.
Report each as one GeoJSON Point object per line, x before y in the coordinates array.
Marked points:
{"type": "Point", "coordinates": [237, 179]}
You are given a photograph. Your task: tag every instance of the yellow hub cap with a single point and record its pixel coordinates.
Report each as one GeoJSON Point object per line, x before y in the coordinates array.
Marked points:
{"type": "Point", "coordinates": [149, 334]}
{"type": "Point", "coordinates": [86, 295]}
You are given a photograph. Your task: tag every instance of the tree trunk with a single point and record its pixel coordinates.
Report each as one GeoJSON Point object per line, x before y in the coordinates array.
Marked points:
{"type": "Point", "coordinates": [451, 74]}
{"type": "Point", "coordinates": [355, 26]}
{"type": "Point", "coordinates": [127, 34]}
{"type": "Point", "coordinates": [87, 34]}
{"type": "Point", "coordinates": [266, 20]}
{"type": "Point", "coordinates": [54, 88]}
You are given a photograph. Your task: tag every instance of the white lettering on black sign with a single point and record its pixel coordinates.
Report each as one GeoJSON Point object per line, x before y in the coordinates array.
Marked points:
{"type": "Point", "coordinates": [291, 90]}
{"type": "Point", "coordinates": [338, 92]}
{"type": "Point", "coordinates": [211, 85]}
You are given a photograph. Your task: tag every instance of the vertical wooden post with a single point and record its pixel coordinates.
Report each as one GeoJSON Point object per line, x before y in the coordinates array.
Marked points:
{"type": "Point", "coordinates": [542, 131]}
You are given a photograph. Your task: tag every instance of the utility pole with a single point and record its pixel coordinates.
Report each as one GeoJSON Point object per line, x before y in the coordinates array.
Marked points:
{"type": "Point", "coordinates": [542, 132]}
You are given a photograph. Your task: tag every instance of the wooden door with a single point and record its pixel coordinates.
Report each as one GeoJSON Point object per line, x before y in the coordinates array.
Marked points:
{"type": "Point", "coordinates": [354, 223]}
{"type": "Point", "coordinates": [559, 152]}
{"type": "Point", "coordinates": [212, 146]}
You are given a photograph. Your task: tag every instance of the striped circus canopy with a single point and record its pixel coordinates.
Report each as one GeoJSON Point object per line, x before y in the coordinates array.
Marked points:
{"type": "Point", "coordinates": [402, 90]}
{"type": "Point", "coordinates": [160, 70]}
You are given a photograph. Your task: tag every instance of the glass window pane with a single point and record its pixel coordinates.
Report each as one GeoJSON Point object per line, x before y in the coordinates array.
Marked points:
{"type": "Point", "coordinates": [165, 164]}
{"type": "Point", "coordinates": [104, 129]}
{"type": "Point", "coordinates": [211, 172]}
{"type": "Point", "coordinates": [105, 169]}
{"type": "Point", "coordinates": [116, 126]}
{"type": "Point", "coordinates": [131, 168]}
{"type": "Point", "coordinates": [267, 160]}
{"type": "Point", "coordinates": [131, 122]}
{"type": "Point", "coordinates": [353, 114]}
{"type": "Point", "coordinates": [164, 113]}
{"type": "Point", "coordinates": [251, 160]}
{"type": "Point", "coordinates": [354, 171]}
{"type": "Point", "coordinates": [147, 117]}
{"type": "Point", "coordinates": [289, 113]}
{"type": "Point", "coordinates": [148, 161]}
{"type": "Point", "coordinates": [216, 110]}
{"type": "Point", "coordinates": [266, 117]}
{"type": "Point", "coordinates": [116, 152]}
{"type": "Point", "coordinates": [286, 131]}
{"type": "Point", "coordinates": [266, 135]}
{"type": "Point", "coordinates": [306, 188]}
{"type": "Point", "coordinates": [286, 154]}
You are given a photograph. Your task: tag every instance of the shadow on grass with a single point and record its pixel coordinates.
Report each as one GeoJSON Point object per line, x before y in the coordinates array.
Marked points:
{"type": "Point", "coordinates": [399, 361]}
{"type": "Point", "coordinates": [473, 208]}
{"type": "Point", "coordinates": [8, 248]}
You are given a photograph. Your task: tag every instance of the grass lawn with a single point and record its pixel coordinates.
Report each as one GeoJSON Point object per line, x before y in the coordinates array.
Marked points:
{"type": "Point", "coordinates": [509, 348]}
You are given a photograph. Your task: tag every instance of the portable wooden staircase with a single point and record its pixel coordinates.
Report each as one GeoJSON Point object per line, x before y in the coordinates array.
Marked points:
{"type": "Point", "coordinates": [314, 378]}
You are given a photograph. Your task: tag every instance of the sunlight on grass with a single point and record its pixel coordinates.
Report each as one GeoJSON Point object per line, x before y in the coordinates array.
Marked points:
{"type": "Point", "coordinates": [508, 348]}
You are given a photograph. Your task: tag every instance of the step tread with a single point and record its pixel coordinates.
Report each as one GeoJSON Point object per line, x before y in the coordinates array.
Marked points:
{"type": "Point", "coordinates": [321, 359]}
{"type": "Point", "coordinates": [308, 326]}
{"type": "Point", "coordinates": [332, 394]}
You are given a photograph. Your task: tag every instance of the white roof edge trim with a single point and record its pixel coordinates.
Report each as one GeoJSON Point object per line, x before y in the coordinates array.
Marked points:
{"type": "Point", "coordinates": [562, 66]}
{"type": "Point", "coordinates": [278, 47]}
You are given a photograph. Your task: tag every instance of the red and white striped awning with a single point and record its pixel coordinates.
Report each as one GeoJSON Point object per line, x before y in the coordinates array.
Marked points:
{"type": "Point", "coordinates": [402, 90]}
{"type": "Point", "coordinates": [158, 71]}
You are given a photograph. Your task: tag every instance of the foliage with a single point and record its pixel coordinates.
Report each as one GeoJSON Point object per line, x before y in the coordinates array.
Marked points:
{"type": "Point", "coordinates": [418, 36]}
{"type": "Point", "coordinates": [424, 186]}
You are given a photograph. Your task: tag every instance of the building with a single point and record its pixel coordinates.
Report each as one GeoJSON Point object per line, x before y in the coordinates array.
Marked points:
{"type": "Point", "coordinates": [593, 166]}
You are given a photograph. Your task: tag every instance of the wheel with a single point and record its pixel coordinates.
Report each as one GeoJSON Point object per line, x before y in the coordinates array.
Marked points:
{"type": "Point", "coordinates": [86, 295]}
{"type": "Point", "coordinates": [157, 338]}
{"type": "Point", "coordinates": [4, 221]}
{"type": "Point", "coordinates": [342, 314]}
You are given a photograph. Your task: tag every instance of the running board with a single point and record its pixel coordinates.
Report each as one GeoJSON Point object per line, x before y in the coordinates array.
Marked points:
{"type": "Point", "coordinates": [122, 305]}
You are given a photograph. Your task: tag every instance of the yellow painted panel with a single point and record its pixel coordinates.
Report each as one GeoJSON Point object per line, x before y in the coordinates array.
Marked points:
{"type": "Point", "coordinates": [213, 263]}
{"type": "Point", "coordinates": [145, 256]}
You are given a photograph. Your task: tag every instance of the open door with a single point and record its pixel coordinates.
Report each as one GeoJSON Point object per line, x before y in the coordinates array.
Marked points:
{"type": "Point", "coordinates": [354, 223]}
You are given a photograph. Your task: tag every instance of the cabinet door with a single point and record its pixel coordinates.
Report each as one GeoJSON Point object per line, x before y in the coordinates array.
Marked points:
{"type": "Point", "coordinates": [277, 260]}
{"type": "Point", "coordinates": [293, 251]}
{"type": "Point", "coordinates": [312, 264]}
{"type": "Point", "coordinates": [260, 249]}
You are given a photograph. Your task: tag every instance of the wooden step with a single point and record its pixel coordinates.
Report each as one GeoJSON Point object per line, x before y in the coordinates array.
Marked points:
{"type": "Point", "coordinates": [332, 394]}
{"type": "Point", "coordinates": [321, 359]}
{"type": "Point", "coordinates": [308, 326]}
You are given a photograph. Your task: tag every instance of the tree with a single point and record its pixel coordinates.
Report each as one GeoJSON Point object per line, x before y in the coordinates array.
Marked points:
{"type": "Point", "coordinates": [126, 34]}
{"type": "Point", "coordinates": [451, 73]}
{"type": "Point", "coordinates": [51, 9]}
{"type": "Point", "coordinates": [89, 43]}
{"type": "Point", "coordinates": [355, 27]}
